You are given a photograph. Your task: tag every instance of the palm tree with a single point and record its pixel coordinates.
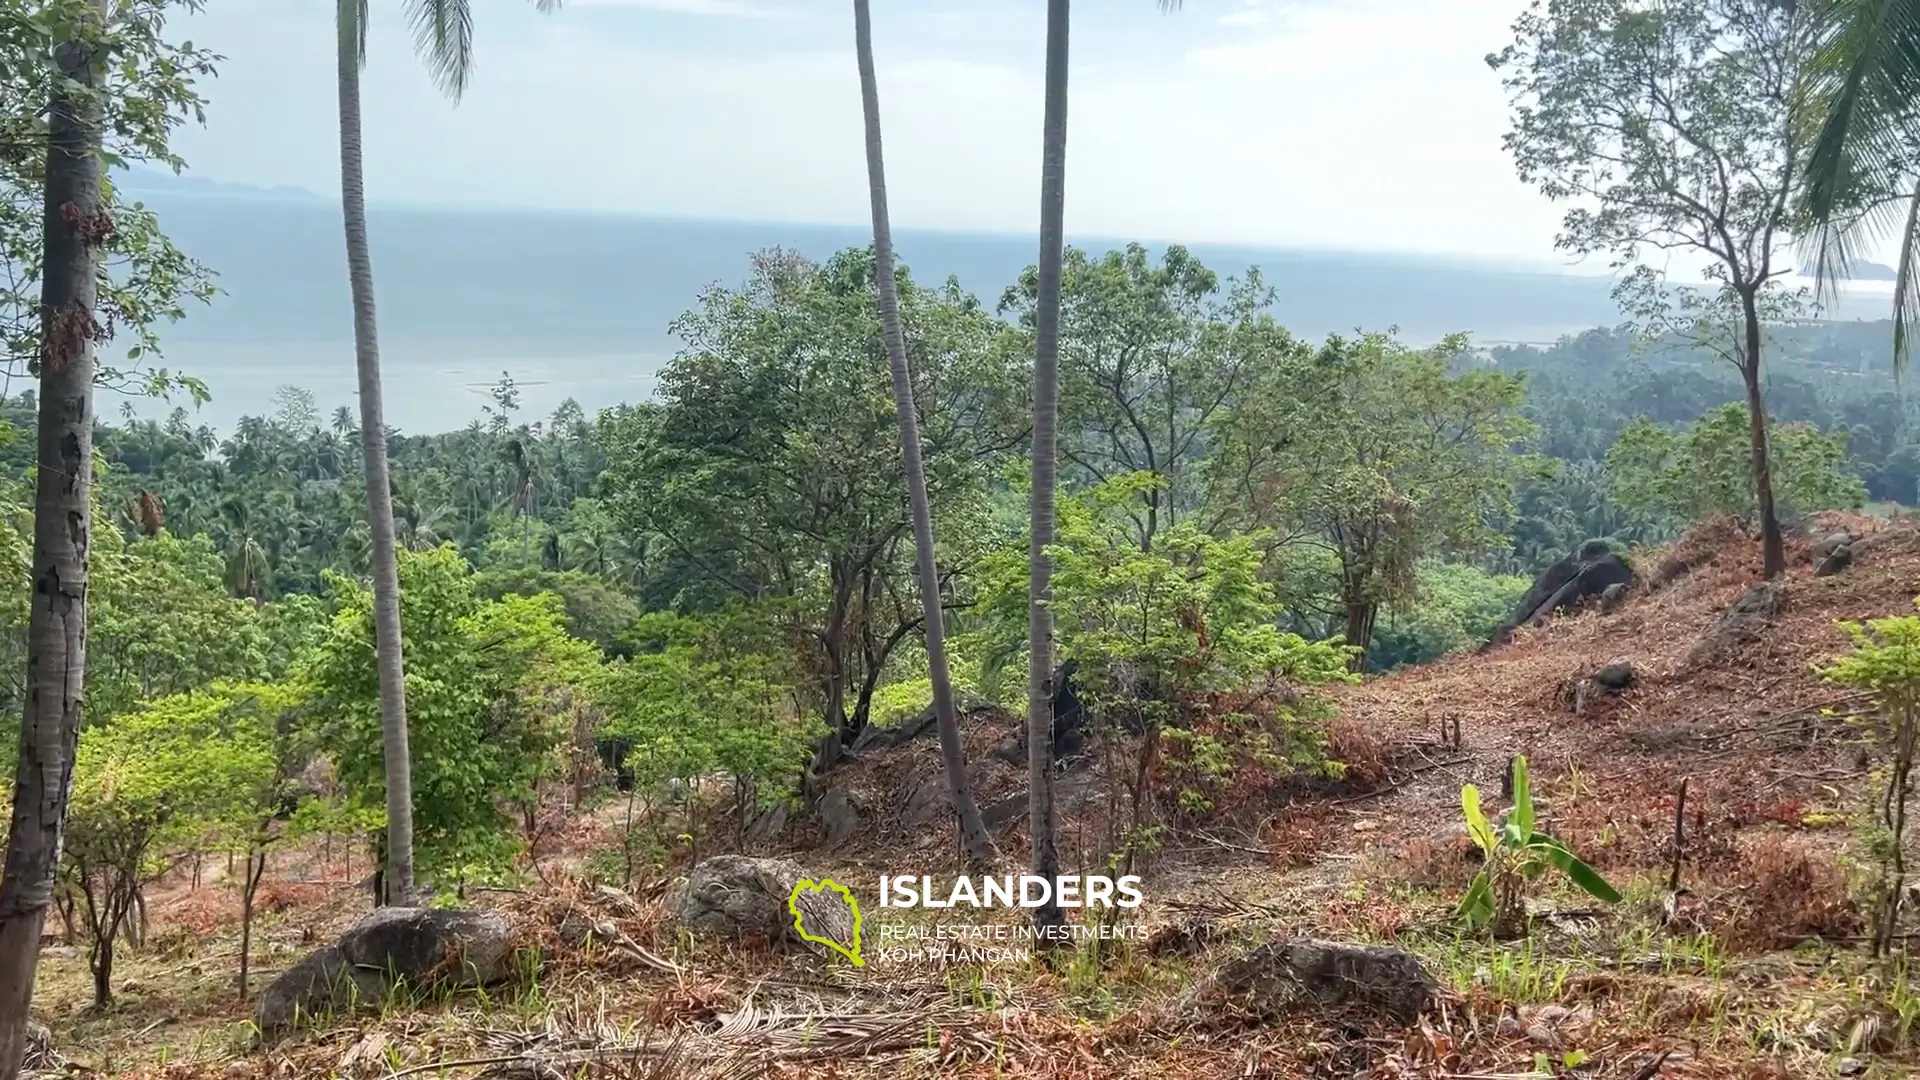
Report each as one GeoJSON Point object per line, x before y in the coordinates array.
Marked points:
{"type": "Point", "coordinates": [1046, 408]}
{"type": "Point", "coordinates": [1046, 404]}
{"type": "Point", "coordinates": [1860, 94]}
{"type": "Point", "coordinates": [443, 36]}
{"type": "Point", "coordinates": [75, 223]}
{"type": "Point", "coordinates": [973, 831]}
{"type": "Point", "coordinates": [247, 564]}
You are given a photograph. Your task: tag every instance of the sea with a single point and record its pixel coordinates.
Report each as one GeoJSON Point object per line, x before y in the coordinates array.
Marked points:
{"type": "Point", "coordinates": [579, 305]}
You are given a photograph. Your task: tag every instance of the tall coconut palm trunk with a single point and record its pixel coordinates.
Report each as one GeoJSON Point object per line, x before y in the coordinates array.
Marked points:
{"type": "Point", "coordinates": [373, 449]}
{"type": "Point", "coordinates": [75, 226]}
{"type": "Point", "coordinates": [1046, 395]}
{"type": "Point", "coordinates": [973, 831]}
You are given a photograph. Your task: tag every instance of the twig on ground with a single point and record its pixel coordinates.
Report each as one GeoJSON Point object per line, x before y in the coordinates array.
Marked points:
{"type": "Point", "coordinates": [1397, 784]}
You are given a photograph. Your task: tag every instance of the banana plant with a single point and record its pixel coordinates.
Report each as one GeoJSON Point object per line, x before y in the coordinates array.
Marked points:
{"type": "Point", "coordinates": [1514, 856]}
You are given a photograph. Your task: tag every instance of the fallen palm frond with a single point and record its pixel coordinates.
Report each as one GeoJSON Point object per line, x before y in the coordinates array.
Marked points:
{"type": "Point", "coordinates": [742, 1043]}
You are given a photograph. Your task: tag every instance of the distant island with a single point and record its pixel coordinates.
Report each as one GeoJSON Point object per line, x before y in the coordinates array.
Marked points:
{"type": "Point", "coordinates": [148, 182]}
{"type": "Point", "coordinates": [1860, 270]}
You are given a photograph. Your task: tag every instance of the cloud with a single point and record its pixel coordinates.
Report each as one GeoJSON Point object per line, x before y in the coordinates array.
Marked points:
{"type": "Point", "coordinates": [1359, 124]}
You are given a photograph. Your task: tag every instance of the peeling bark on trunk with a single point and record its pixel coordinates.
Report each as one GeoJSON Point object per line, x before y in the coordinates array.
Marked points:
{"type": "Point", "coordinates": [75, 225]}
{"type": "Point", "coordinates": [373, 448]}
{"type": "Point", "coordinates": [1046, 394]}
{"type": "Point", "coordinates": [973, 831]}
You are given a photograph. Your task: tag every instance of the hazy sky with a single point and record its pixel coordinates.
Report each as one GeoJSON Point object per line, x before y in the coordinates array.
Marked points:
{"type": "Point", "coordinates": [1371, 124]}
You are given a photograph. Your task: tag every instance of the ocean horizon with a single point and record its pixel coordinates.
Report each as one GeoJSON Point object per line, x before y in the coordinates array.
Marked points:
{"type": "Point", "coordinates": [578, 305]}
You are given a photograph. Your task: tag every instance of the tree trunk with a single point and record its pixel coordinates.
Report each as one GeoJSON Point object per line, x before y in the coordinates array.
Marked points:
{"type": "Point", "coordinates": [1360, 618]}
{"type": "Point", "coordinates": [1773, 552]}
{"type": "Point", "coordinates": [103, 970]}
{"type": "Point", "coordinates": [256, 869]}
{"type": "Point", "coordinates": [1046, 394]}
{"type": "Point", "coordinates": [373, 448]}
{"type": "Point", "coordinates": [973, 831]}
{"type": "Point", "coordinates": [833, 644]}
{"type": "Point", "coordinates": [74, 224]}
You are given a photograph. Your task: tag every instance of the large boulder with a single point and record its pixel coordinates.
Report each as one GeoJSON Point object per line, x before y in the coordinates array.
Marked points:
{"type": "Point", "coordinates": [1827, 545]}
{"type": "Point", "coordinates": [967, 707]}
{"type": "Point", "coordinates": [1581, 576]}
{"type": "Point", "coordinates": [738, 896]}
{"type": "Point", "coordinates": [1304, 971]}
{"type": "Point", "coordinates": [421, 948]}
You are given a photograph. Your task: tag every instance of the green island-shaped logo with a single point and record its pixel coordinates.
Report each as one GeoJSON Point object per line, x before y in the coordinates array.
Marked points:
{"type": "Point", "coordinates": [808, 885]}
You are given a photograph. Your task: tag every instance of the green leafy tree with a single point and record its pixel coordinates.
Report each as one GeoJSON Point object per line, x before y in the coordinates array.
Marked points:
{"type": "Point", "coordinates": [167, 777]}
{"type": "Point", "coordinates": [1456, 606]}
{"type": "Point", "coordinates": [1151, 356]}
{"type": "Point", "coordinates": [479, 675]}
{"type": "Point", "coordinates": [771, 467]}
{"type": "Point", "coordinates": [164, 623]}
{"type": "Point", "coordinates": [1885, 662]}
{"type": "Point", "coordinates": [1672, 129]}
{"type": "Point", "coordinates": [1178, 642]}
{"type": "Point", "coordinates": [1376, 455]}
{"type": "Point", "coordinates": [709, 695]}
{"type": "Point", "coordinates": [1679, 478]}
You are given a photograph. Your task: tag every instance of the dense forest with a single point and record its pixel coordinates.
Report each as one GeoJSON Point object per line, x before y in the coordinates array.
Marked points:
{"type": "Point", "coordinates": [1172, 428]}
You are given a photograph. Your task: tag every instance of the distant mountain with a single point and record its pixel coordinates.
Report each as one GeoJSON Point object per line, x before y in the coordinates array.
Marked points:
{"type": "Point", "coordinates": [145, 183]}
{"type": "Point", "coordinates": [1861, 270]}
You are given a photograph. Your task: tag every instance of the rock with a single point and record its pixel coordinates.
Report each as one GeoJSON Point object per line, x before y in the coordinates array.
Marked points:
{"type": "Point", "coordinates": [614, 899]}
{"type": "Point", "coordinates": [1835, 561]}
{"type": "Point", "coordinates": [1851, 1066]}
{"type": "Point", "coordinates": [923, 798]}
{"type": "Point", "coordinates": [1002, 811]}
{"type": "Point", "coordinates": [1282, 974]}
{"type": "Point", "coordinates": [1616, 676]}
{"type": "Point", "coordinates": [839, 815]}
{"type": "Point", "coordinates": [768, 824]}
{"type": "Point", "coordinates": [1612, 597]}
{"type": "Point", "coordinates": [1578, 577]}
{"type": "Point", "coordinates": [966, 706]}
{"type": "Point", "coordinates": [420, 947]}
{"type": "Point", "coordinates": [1826, 545]}
{"type": "Point", "coordinates": [733, 896]}
{"type": "Point", "coordinates": [1742, 623]}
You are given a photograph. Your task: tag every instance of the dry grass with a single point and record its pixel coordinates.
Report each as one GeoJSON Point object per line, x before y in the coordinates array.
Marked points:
{"type": "Point", "coordinates": [1771, 780]}
{"type": "Point", "coordinates": [1794, 888]}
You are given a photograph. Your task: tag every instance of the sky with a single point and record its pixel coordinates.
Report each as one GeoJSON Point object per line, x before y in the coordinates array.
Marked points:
{"type": "Point", "coordinates": [1368, 125]}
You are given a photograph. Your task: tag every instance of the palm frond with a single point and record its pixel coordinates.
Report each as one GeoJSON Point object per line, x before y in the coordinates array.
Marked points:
{"type": "Point", "coordinates": [1906, 287]}
{"type": "Point", "coordinates": [1860, 86]}
{"type": "Point", "coordinates": [443, 38]}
